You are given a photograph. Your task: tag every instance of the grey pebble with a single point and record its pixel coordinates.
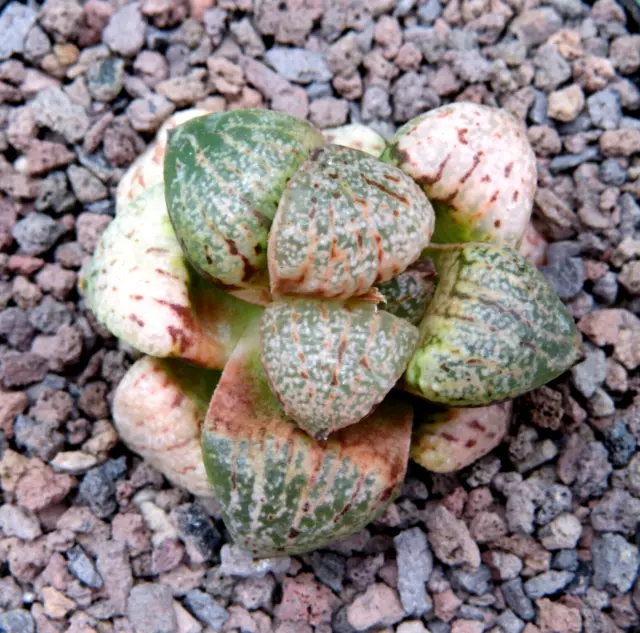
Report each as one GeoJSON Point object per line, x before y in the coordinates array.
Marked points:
{"type": "Point", "coordinates": [606, 288]}
{"type": "Point", "coordinates": [15, 22]}
{"type": "Point", "coordinates": [470, 612]}
{"type": "Point", "coordinates": [620, 443]}
{"type": "Point", "coordinates": [99, 491]}
{"type": "Point", "coordinates": [37, 438]}
{"type": "Point", "coordinates": [601, 404]}
{"type": "Point", "coordinates": [612, 173]}
{"type": "Point", "coordinates": [197, 529]}
{"type": "Point", "coordinates": [569, 161]}
{"type": "Point", "coordinates": [547, 583]}
{"type": "Point", "coordinates": [538, 111]}
{"type": "Point", "coordinates": [582, 580]}
{"type": "Point", "coordinates": [236, 562]}
{"type": "Point", "coordinates": [429, 12]}
{"type": "Point", "coordinates": [105, 79]}
{"type": "Point", "coordinates": [415, 564]}
{"type": "Point", "coordinates": [298, 64]}
{"type": "Point", "coordinates": [50, 315]}
{"type": "Point", "coordinates": [125, 32]}
{"type": "Point", "coordinates": [53, 193]}
{"type": "Point", "coordinates": [150, 609]}
{"type": "Point", "coordinates": [475, 582]}
{"type": "Point", "coordinates": [617, 511]}
{"type": "Point", "coordinates": [557, 499]}
{"type": "Point", "coordinates": [85, 185]}
{"type": "Point", "coordinates": [509, 622]}
{"type": "Point", "coordinates": [566, 560]}
{"type": "Point", "coordinates": [438, 626]}
{"type": "Point", "coordinates": [37, 233]}
{"type": "Point", "coordinates": [588, 375]}
{"type": "Point", "coordinates": [329, 568]}
{"type": "Point", "coordinates": [552, 68]}
{"type": "Point", "coordinates": [319, 90]}
{"type": "Point", "coordinates": [566, 278]}
{"type": "Point", "coordinates": [593, 469]}
{"type": "Point", "coordinates": [375, 104]}
{"type": "Point", "coordinates": [629, 123]}
{"type": "Point", "coordinates": [15, 328]}
{"type": "Point", "coordinates": [54, 109]}
{"type": "Point", "coordinates": [615, 563]}
{"type": "Point", "coordinates": [581, 124]}
{"type": "Point", "coordinates": [206, 609]}
{"type": "Point", "coordinates": [16, 621]}
{"type": "Point", "coordinates": [82, 567]}
{"type": "Point", "coordinates": [604, 109]}
{"type": "Point", "coordinates": [516, 599]}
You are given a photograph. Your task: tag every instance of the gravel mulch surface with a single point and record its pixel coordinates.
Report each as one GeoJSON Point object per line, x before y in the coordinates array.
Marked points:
{"type": "Point", "coordinates": [92, 540]}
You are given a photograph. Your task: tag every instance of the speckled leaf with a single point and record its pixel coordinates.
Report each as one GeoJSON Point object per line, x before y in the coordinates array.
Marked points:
{"type": "Point", "coordinates": [281, 491]}
{"type": "Point", "coordinates": [330, 363]}
{"type": "Point", "coordinates": [224, 176]}
{"type": "Point", "coordinates": [476, 166]}
{"type": "Point", "coordinates": [158, 409]}
{"type": "Point", "coordinates": [346, 221]}
{"type": "Point", "coordinates": [408, 294]}
{"type": "Point", "coordinates": [148, 169]}
{"type": "Point", "coordinates": [142, 290]}
{"type": "Point", "coordinates": [446, 441]}
{"type": "Point", "coordinates": [356, 136]}
{"type": "Point", "coordinates": [493, 330]}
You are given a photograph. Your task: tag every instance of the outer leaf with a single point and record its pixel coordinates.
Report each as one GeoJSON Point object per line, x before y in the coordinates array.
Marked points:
{"type": "Point", "coordinates": [493, 330]}
{"type": "Point", "coordinates": [158, 409]}
{"type": "Point", "coordinates": [224, 176]}
{"type": "Point", "coordinates": [408, 294]}
{"type": "Point", "coordinates": [329, 363]}
{"type": "Point", "coordinates": [476, 166]}
{"type": "Point", "coordinates": [346, 221]}
{"type": "Point", "coordinates": [140, 288]}
{"type": "Point", "coordinates": [148, 169]}
{"type": "Point", "coordinates": [356, 136]}
{"type": "Point", "coordinates": [446, 441]}
{"type": "Point", "coordinates": [283, 492]}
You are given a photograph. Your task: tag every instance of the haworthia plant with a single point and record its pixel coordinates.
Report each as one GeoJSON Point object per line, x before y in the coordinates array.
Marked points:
{"type": "Point", "coordinates": [140, 287]}
{"type": "Point", "coordinates": [330, 363]}
{"type": "Point", "coordinates": [493, 330]}
{"type": "Point", "coordinates": [281, 491]}
{"type": "Point", "coordinates": [158, 409]}
{"type": "Point", "coordinates": [357, 136]}
{"type": "Point", "coordinates": [224, 176]}
{"type": "Point", "coordinates": [476, 166]}
{"type": "Point", "coordinates": [448, 440]}
{"type": "Point", "coordinates": [408, 294]}
{"type": "Point", "coordinates": [345, 222]}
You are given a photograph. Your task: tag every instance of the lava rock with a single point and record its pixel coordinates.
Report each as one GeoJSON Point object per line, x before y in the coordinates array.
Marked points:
{"type": "Point", "coordinates": [37, 233]}
{"type": "Point", "coordinates": [615, 563]}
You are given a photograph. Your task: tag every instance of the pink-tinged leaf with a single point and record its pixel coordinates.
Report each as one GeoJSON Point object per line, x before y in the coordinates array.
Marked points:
{"type": "Point", "coordinates": [158, 410]}
{"type": "Point", "coordinates": [449, 440]}
{"type": "Point", "coordinates": [281, 491]}
{"type": "Point", "coordinates": [477, 167]}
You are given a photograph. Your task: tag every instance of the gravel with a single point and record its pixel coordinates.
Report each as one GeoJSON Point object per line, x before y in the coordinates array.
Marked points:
{"type": "Point", "coordinates": [615, 563]}
{"type": "Point", "coordinates": [415, 563]}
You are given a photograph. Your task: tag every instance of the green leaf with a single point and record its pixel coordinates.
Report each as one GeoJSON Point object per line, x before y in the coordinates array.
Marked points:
{"type": "Point", "coordinates": [408, 294]}
{"type": "Point", "coordinates": [224, 175]}
{"type": "Point", "coordinates": [158, 409]}
{"type": "Point", "coordinates": [346, 221]}
{"type": "Point", "coordinates": [477, 168]}
{"type": "Point", "coordinates": [493, 330]}
{"type": "Point", "coordinates": [141, 288]}
{"type": "Point", "coordinates": [331, 363]}
{"type": "Point", "coordinates": [449, 440]}
{"type": "Point", "coordinates": [281, 491]}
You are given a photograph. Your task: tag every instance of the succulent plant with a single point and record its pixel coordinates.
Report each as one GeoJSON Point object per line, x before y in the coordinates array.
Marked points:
{"type": "Point", "coordinates": [312, 270]}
